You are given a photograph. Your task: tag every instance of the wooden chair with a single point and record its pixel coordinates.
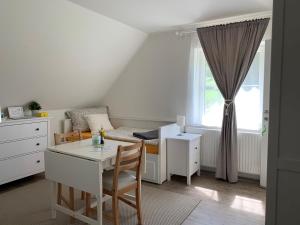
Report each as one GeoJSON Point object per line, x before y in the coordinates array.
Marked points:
{"type": "Point", "coordinates": [62, 139]}
{"type": "Point", "coordinates": [119, 181]}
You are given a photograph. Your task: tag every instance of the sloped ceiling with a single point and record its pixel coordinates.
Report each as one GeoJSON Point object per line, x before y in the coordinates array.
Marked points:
{"type": "Point", "coordinates": [59, 53]}
{"type": "Point", "coordinates": [158, 15]}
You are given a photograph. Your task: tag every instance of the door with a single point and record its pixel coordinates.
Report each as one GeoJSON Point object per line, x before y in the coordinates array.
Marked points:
{"type": "Point", "coordinates": [265, 119]}
{"type": "Point", "coordinates": [283, 185]}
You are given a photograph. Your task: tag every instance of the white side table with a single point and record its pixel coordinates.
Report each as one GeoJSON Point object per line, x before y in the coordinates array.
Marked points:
{"type": "Point", "coordinates": [183, 155]}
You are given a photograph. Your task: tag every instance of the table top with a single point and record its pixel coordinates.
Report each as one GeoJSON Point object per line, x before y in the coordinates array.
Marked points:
{"type": "Point", "coordinates": [185, 136]}
{"type": "Point", "coordinates": [85, 149]}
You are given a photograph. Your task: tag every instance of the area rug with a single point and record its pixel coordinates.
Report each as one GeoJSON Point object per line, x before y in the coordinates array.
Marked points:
{"type": "Point", "coordinates": [30, 205]}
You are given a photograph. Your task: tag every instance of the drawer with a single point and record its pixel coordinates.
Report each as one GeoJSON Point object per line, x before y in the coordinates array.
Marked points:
{"type": "Point", "coordinates": [195, 145]}
{"type": "Point", "coordinates": [15, 168]}
{"type": "Point", "coordinates": [151, 168]}
{"type": "Point", "coordinates": [11, 149]}
{"type": "Point", "coordinates": [23, 131]}
{"type": "Point", "coordinates": [194, 155]}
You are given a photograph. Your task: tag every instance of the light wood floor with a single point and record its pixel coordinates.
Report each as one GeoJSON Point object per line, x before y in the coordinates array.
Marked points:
{"type": "Point", "coordinates": [222, 203]}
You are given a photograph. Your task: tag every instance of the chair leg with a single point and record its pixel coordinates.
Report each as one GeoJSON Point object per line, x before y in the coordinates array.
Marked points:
{"type": "Point", "coordinates": [59, 193]}
{"type": "Point", "coordinates": [115, 208]}
{"type": "Point", "coordinates": [87, 204]}
{"type": "Point", "coordinates": [82, 195]}
{"type": "Point", "coordinates": [72, 202]}
{"type": "Point", "coordinates": [103, 206]}
{"type": "Point", "coordinates": [138, 204]}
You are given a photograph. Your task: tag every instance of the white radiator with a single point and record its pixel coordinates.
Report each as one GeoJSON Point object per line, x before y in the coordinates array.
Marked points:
{"type": "Point", "coordinates": [210, 141]}
{"type": "Point", "coordinates": [249, 145]}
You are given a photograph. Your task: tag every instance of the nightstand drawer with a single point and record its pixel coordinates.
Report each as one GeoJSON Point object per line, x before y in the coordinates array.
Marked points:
{"type": "Point", "coordinates": [194, 148]}
{"type": "Point", "coordinates": [195, 145]}
{"type": "Point", "coordinates": [194, 155]}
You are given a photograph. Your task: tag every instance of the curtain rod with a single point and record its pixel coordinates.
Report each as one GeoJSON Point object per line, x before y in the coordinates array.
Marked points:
{"type": "Point", "coordinates": [191, 28]}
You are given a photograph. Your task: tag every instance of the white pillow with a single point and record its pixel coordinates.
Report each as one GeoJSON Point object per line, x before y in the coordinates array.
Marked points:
{"type": "Point", "coordinates": [98, 121]}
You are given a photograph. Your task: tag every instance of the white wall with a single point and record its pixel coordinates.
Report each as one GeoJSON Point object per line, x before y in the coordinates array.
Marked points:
{"type": "Point", "coordinates": [153, 85]}
{"type": "Point", "coordinates": [59, 53]}
{"type": "Point", "coordinates": [57, 118]}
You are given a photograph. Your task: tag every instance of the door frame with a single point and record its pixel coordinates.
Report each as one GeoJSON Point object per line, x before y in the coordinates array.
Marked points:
{"type": "Point", "coordinates": [275, 105]}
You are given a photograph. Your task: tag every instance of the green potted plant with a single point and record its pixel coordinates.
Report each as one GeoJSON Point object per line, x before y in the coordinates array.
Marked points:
{"type": "Point", "coordinates": [35, 107]}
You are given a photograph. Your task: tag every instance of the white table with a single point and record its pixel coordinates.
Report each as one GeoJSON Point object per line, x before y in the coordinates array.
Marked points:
{"type": "Point", "coordinates": [183, 155]}
{"type": "Point", "coordinates": [80, 165]}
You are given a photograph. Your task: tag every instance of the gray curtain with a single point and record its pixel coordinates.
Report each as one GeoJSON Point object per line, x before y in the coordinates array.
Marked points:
{"type": "Point", "coordinates": [229, 50]}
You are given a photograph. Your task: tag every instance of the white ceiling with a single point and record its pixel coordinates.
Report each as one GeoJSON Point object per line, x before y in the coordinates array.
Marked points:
{"type": "Point", "coordinates": [159, 15]}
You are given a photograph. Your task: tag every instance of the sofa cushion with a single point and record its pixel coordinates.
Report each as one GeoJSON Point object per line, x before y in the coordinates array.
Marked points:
{"type": "Point", "coordinates": [77, 117]}
{"type": "Point", "coordinates": [98, 121]}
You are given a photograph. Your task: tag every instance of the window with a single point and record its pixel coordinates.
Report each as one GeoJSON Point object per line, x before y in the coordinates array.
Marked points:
{"type": "Point", "coordinates": [208, 98]}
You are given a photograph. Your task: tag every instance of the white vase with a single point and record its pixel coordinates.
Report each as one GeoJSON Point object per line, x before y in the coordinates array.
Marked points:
{"type": "Point", "coordinates": [27, 113]}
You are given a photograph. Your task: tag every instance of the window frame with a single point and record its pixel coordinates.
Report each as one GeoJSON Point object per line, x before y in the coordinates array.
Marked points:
{"type": "Point", "coordinates": [202, 91]}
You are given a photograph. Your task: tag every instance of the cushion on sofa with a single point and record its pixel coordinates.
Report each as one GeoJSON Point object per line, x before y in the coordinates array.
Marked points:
{"type": "Point", "coordinates": [98, 121]}
{"type": "Point", "coordinates": [77, 117]}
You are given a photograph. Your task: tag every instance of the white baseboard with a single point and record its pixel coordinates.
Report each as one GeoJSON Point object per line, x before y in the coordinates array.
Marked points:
{"type": "Point", "coordinates": [242, 175]}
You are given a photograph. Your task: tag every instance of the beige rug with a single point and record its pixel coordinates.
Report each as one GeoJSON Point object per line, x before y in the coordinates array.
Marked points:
{"type": "Point", "coordinates": [30, 205]}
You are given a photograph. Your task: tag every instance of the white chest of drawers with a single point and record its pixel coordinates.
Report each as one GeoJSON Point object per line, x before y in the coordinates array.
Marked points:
{"type": "Point", "coordinates": [22, 146]}
{"type": "Point", "coordinates": [183, 155]}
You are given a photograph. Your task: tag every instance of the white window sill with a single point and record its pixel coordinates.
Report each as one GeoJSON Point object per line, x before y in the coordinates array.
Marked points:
{"type": "Point", "coordinates": [199, 128]}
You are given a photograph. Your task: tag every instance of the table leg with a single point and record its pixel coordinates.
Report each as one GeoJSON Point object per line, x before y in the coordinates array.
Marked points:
{"type": "Point", "coordinates": [99, 209]}
{"type": "Point", "coordinates": [53, 199]}
{"type": "Point", "coordinates": [99, 201]}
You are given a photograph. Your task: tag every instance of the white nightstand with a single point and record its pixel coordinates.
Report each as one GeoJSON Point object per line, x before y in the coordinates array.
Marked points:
{"type": "Point", "coordinates": [183, 155]}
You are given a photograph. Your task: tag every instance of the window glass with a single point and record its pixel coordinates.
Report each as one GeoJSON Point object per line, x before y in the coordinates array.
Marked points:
{"type": "Point", "coordinates": [248, 100]}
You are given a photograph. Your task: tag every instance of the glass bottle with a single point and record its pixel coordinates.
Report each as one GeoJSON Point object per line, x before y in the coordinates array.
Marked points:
{"type": "Point", "coordinates": [95, 139]}
{"type": "Point", "coordinates": [102, 134]}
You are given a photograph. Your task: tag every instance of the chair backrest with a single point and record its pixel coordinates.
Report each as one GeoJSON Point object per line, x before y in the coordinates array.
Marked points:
{"type": "Point", "coordinates": [129, 158]}
{"type": "Point", "coordinates": [67, 137]}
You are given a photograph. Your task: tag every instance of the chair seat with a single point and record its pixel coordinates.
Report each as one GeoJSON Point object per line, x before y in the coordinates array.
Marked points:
{"type": "Point", "coordinates": [125, 179]}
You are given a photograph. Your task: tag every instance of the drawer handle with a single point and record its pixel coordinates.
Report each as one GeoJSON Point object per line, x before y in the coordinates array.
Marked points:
{"type": "Point", "coordinates": [196, 162]}
{"type": "Point", "coordinates": [38, 161]}
{"type": "Point", "coordinates": [37, 129]}
{"type": "Point", "coordinates": [196, 148]}
{"type": "Point", "coordinates": [37, 144]}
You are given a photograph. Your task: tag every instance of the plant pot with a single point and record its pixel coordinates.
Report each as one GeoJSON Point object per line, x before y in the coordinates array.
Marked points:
{"type": "Point", "coordinates": [35, 112]}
